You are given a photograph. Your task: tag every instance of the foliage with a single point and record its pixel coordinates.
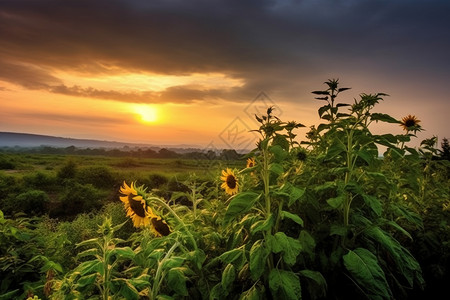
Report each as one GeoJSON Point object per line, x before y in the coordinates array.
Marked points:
{"type": "Point", "coordinates": [22, 260]}
{"type": "Point", "coordinates": [330, 217]}
{"type": "Point", "coordinates": [98, 176]}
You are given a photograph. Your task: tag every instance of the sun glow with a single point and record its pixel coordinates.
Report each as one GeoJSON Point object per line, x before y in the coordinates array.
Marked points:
{"type": "Point", "coordinates": [146, 113]}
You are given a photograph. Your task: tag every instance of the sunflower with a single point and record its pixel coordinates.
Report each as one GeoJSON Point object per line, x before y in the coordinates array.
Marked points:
{"type": "Point", "coordinates": [251, 162]}
{"type": "Point", "coordinates": [230, 182]}
{"type": "Point", "coordinates": [159, 227]}
{"type": "Point", "coordinates": [136, 207]}
{"type": "Point", "coordinates": [410, 123]}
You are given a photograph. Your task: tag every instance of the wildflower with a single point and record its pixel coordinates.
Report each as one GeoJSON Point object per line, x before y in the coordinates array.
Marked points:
{"type": "Point", "coordinates": [410, 123]}
{"type": "Point", "coordinates": [230, 182]}
{"type": "Point", "coordinates": [135, 205]}
{"type": "Point", "coordinates": [251, 162]}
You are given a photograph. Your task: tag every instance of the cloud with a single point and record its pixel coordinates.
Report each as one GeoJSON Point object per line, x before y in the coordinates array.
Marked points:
{"type": "Point", "coordinates": [98, 121]}
{"type": "Point", "coordinates": [29, 76]}
{"type": "Point", "coordinates": [276, 46]}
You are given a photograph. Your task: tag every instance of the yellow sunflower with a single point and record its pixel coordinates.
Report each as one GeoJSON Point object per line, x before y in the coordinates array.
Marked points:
{"type": "Point", "coordinates": [250, 162]}
{"type": "Point", "coordinates": [410, 123]}
{"type": "Point", "coordinates": [135, 205]}
{"type": "Point", "coordinates": [230, 182]}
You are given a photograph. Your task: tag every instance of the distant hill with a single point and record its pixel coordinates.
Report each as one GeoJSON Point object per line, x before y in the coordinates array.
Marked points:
{"type": "Point", "coordinates": [27, 140]}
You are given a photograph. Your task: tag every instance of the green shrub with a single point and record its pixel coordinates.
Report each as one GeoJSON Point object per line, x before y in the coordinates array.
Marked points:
{"type": "Point", "coordinates": [98, 176]}
{"type": "Point", "coordinates": [78, 198]}
{"type": "Point", "coordinates": [39, 180]}
{"type": "Point", "coordinates": [22, 262]}
{"type": "Point", "coordinates": [6, 163]}
{"type": "Point", "coordinates": [31, 202]}
{"type": "Point", "coordinates": [67, 171]}
{"type": "Point", "coordinates": [156, 181]}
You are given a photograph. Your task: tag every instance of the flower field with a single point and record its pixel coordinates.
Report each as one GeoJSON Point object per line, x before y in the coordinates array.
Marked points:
{"type": "Point", "coordinates": [331, 217]}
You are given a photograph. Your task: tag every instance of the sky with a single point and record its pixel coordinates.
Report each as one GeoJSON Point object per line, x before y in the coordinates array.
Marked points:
{"type": "Point", "coordinates": [173, 72]}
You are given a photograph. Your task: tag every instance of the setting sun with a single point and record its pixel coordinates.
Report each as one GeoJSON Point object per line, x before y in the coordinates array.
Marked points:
{"type": "Point", "coordinates": [146, 113]}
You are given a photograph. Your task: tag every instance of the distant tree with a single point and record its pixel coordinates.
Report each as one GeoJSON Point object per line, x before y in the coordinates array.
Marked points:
{"type": "Point", "coordinates": [149, 153]}
{"type": "Point", "coordinates": [445, 153]}
{"type": "Point", "coordinates": [229, 154]}
{"type": "Point", "coordinates": [165, 153]}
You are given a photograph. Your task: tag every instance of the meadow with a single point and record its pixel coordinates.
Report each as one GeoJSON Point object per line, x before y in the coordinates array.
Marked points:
{"type": "Point", "coordinates": [328, 218]}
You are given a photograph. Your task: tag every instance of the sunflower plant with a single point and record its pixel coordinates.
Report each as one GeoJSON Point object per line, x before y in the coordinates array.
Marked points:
{"type": "Point", "coordinates": [262, 257]}
{"type": "Point", "coordinates": [344, 182]}
{"type": "Point", "coordinates": [103, 269]}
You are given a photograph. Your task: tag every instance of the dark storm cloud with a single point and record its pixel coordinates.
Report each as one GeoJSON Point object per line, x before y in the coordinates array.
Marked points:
{"type": "Point", "coordinates": [272, 45]}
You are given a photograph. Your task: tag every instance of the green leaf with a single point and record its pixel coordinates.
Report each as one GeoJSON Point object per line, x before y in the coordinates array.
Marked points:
{"type": "Point", "coordinates": [295, 218]}
{"type": "Point", "coordinates": [280, 141]}
{"type": "Point", "coordinates": [373, 203]}
{"type": "Point", "coordinates": [88, 252]}
{"type": "Point", "coordinates": [404, 261]}
{"type": "Point", "coordinates": [262, 225]}
{"type": "Point", "coordinates": [290, 247]}
{"type": "Point", "coordinates": [177, 281]}
{"type": "Point", "coordinates": [128, 290]}
{"type": "Point", "coordinates": [307, 242]}
{"type": "Point", "coordinates": [325, 187]}
{"type": "Point", "coordinates": [336, 202]}
{"type": "Point", "coordinates": [199, 258]}
{"type": "Point", "coordinates": [365, 270]}
{"type": "Point", "coordinates": [378, 177]}
{"type": "Point", "coordinates": [164, 297]}
{"type": "Point", "coordinates": [315, 276]}
{"type": "Point", "coordinates": [235, 256]}
{"type": "Point", "coordinates": [140, 282]}
{"type": "Point", "coordinates": [294, 192]}
{"type": "Point", "coordinates": [240, 204]}
{"type": "Point", "coordinates": [125, 252]}
{"type": "Point", "coordinates": [87, 280]}
{"type": "Point", "coordinates": [173, 262]}
{"type": "Point", "coordinates": [217, 292]}
{"type": "Point", "coordinates": [94, 241]}
{"type": "Point", "coordinates": [9, 295]}
{"type": "Point", "coordinates": [399, 228]}
{"type": "Point", "coordinates": [284, 285]}
{"type": "Point", "coordinates": [320, 92]}
{"type": "Point", "coordinates": [89, 267]}
{"type": "Point", "coordinates": [335, 149]}
{"type": "Point", "coordinates": [319, 288]}
{"type": "Point", "coordinates": [366, 156]}
{"type": "Point", "coordinates": [412, 151]}
{"type": "Point", "coordinates": [383, 118]}
{"type": "Point", "coordinates": [258, 257]}
{"type": "Point", "coordinates": [228, 276]}
{"type": "Point", "coordinates": [336, 229]}
{"type": "Point", "coordinates": [251, 294]}
{"type": "Point", "coordinates": [323, 109]}
{"type": "Point", "coordinates": [276, 168]}
{"type": "Point", "coordinates": [409, 215]}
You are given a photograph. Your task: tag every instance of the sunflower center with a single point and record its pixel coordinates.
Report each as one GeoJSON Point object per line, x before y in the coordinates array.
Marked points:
{"type": "Point", "coordinates": [231, 181]}
{"type": "Point", "coordinates": [161, 227]}
{"type": "Point", "coordinates": [410, 123]}
{"type": "Point", "coordinates": [137, 207]}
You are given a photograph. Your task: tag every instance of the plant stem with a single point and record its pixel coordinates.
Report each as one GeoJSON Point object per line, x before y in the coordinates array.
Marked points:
{"type": "Point", "coordinates": [156, 282]}
{"type": "Point", "coordinates": [348, 175]}
{"type": "Point", "coordinates": [105, 292]}
{"type": "Point", "coordinates": [266, 181]}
